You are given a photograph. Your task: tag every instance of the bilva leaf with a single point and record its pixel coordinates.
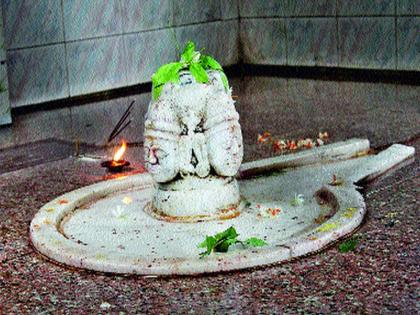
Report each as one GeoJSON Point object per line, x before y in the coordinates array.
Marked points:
{"type": "Point", "coordinates": [210, 63]}
{"type": "Point", "coordinates": [223, 240]}
{"type": "Point", "coordinates": [195, 62]}
{"type": "Point", "coordinates": [188, 52]}
{"type": "Point", "coordinates": [223, 246]}
{"type": "Point", "coordinates": [224, 80]}
{"type": "Point", "coordinates": [166, 73]}
{"type": "Point", "coordinates": [209, 243]}
{"type": "Point", "coordinates": [156, 91]}
{"type": "Point", "coordinates": [227, 234]}
{"type": "Point", "coordinates": [255, 242]}
{"type": "Point", "coordinates": [199, 73]}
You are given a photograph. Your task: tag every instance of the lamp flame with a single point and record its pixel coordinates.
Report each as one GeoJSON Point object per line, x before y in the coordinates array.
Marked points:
{"type": "Point", "coordinates": [120, 152]}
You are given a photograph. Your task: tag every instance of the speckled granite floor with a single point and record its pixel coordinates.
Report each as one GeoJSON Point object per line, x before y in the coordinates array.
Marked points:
{"type": "Point", "coordinates": [380, 276]}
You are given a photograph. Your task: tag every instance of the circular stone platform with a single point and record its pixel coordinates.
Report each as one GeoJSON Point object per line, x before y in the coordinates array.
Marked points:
{"type": "Point", "coordinates": [104, 226]}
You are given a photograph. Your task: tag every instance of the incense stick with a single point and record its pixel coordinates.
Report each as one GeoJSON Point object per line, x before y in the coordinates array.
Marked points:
{"type": "Point", "coordinates": [117, 130]}
{"type": "Point", "coordinates": [123, 118]}
{"type": "Point", "coordinates": [121, 129]}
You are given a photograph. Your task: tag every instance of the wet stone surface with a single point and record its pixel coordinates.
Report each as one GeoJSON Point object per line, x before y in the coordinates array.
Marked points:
{"type": "Point", "coordinates": [380, 276]}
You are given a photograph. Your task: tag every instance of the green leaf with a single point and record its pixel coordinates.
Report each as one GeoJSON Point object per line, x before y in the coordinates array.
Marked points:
{"type": "Point", "coordinates": [224, 80]}
{"type": "Point", "coordinates": [210, 63]}
{"type": "Point", "coordinates": [229, 233]}
{"type": "Point", "coordinates": [223, 246]}
{"type": "Point", "coordinates": [209, 243]}
{"type": "Point", "coordinates": [255, 242]}
{"type": "Point", "coordinates": [219, 242]}
{"type": "Point", "coordinates": [223, 240]}
{"type": "Point", "coordinates": [188, 52]}
{"type": "Point", "coordinates": [348, 245]}
{"type": "Point", "coordinates": [166, 73]}
{"type": "Point", "coordinates": [199, 73]}
{"type": "Point", "coordinates": [156, 90]}
{"type": "Point", "coordinates": [194, 61]}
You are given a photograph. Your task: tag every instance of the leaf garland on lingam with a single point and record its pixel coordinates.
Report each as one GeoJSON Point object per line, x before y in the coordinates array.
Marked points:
{"type": "Point", "coordinates": [191, 60]}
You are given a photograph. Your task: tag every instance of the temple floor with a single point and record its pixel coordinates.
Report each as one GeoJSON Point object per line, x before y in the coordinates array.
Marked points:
{"type": "Point", "coordinates": [380, 275]}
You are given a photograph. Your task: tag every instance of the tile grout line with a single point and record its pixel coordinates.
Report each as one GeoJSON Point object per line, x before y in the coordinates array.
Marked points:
{"type": "Point", "coordinates": [262, 17]}
{"type": "Point", "coordinates": [72, 131]}
{"type": "Point", "coordinates": [238, 39]}
{"type": "Point", "coordinates": [192, 24]}
{"type": "Point", "coordinates": [65, 49]}
{"type": "Point", "coordinates": [124, 44]}
{"type": "Point", "coordinates": [118, 34]}
{"type": "Point", "coordinates": [285, 18]}
{"type": "Point", "coordinates": [337, 34]}
{"type": "Point", "coordinates": [396, 34]}
{"type": "Point", "coordinates": [286, 21]}
{"type": "Point", "coordinates": [6, 112]}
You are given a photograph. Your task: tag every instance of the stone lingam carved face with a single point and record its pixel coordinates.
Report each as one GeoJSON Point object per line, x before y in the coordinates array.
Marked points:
{"type": "Point", "coordinates": [193, 129]}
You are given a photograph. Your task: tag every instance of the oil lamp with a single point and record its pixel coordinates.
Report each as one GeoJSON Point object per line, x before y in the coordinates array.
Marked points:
{"type": "Point", "coordinates": [117, 163]}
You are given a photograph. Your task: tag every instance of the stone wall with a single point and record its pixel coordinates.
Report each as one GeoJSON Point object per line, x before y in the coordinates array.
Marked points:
{"type": "Point", "coordinates": [369, 34]}
{"type": "Point", "coordinates": [58, 49]}
{"type": "Point", "coordinates": [5, 115]}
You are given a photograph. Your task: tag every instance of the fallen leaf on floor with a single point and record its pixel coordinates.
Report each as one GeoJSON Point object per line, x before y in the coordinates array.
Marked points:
{"type": "Point", "coordinates": [348, 245]}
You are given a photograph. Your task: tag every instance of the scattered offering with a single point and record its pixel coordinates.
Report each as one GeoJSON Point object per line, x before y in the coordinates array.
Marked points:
{"type": "Point", "coordinates": [335, 181]}
{"type": "Point", "coordinates": [119, 213]}
{"type": "Point", "coordinates": [221, 242]}
{"type": "Point", "coordinates": [284, 145]}
{"type": "Point", "coordinates": [298, 200]}
{"type": "Point", "coordinates": [268, 212]}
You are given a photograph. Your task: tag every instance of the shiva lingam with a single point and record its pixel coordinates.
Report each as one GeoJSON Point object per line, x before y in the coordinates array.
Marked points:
{"type": "Point", "coordinates": [193, 150]}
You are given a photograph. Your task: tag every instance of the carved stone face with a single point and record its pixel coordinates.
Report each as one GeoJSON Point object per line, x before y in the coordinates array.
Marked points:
{"type": "Point", "coordinates": [193, 129]}
{"type": "Point", "coordinates": [190, 106]}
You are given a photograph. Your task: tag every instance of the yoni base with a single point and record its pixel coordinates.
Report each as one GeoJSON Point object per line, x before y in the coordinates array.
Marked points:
{"type": "Point", "coordinates": [193, 199]}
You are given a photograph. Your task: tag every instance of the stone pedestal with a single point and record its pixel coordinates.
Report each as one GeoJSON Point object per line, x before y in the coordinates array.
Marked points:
{"type": "Point", "coordinates": [103, 227]}
{"type": "Point", "coordinates": [193, 199]}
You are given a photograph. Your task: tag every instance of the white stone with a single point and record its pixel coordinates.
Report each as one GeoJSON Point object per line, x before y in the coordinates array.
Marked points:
{"type": "Point", "coordinates": [192, 132]}
{"type": "Point", "coordinates": [337, 151]}
{"type": "Point", "coordinates": [196, 199]}
{"type": "Point", "coordinates": [193, 117]}
{"type": "Point", "coordinates": [87, 231]}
